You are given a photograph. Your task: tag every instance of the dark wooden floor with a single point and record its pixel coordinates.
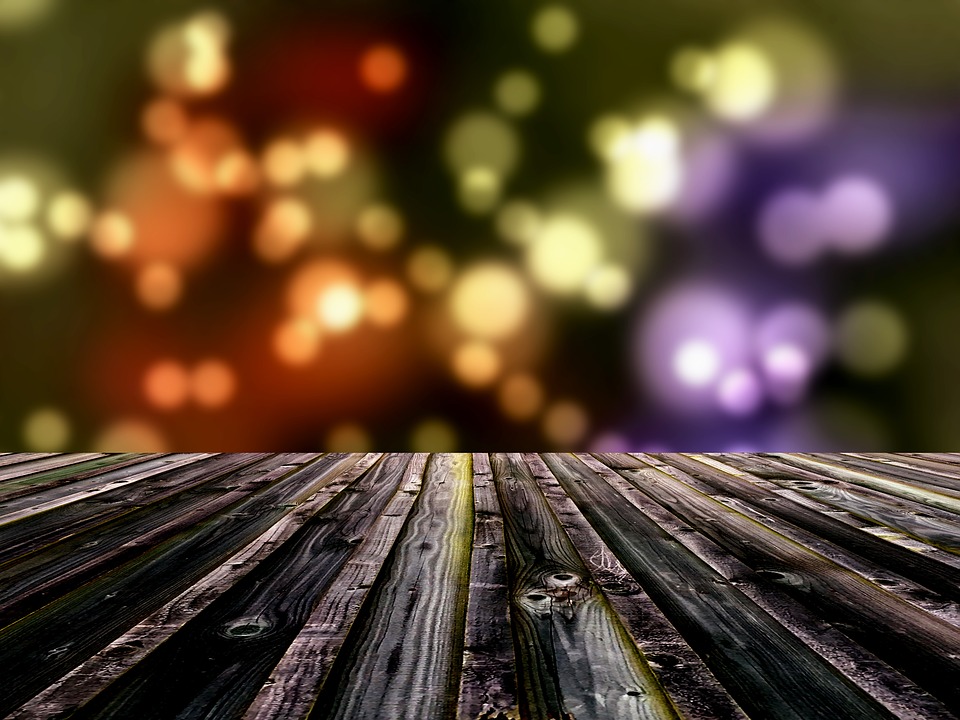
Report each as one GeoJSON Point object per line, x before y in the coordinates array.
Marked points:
{"type": "Point", "coordinates": [480, 586]}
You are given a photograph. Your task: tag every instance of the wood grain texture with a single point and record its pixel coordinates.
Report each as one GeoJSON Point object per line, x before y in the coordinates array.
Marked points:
{"type": "Point", "coordinates": [408, 641]}
{"type": "Point", "coordinates": [922, 646]}
{"type": "Point", "coordinates": [84, 682]}
{"type": "Point", "coordinates": [575, 659]}
{"type": "Point", "coordinates": [572, 587]}
{"type": "Point", "coordinates": [215, 665]}
{"type": "Point", "coordinates": [488, 686]}
{"type": "Point", "coordinates": [693, 688]}
{"type": "Point", "coordinates": [41, 647]}
{"type": "Point", "coordinates": [293, 685]}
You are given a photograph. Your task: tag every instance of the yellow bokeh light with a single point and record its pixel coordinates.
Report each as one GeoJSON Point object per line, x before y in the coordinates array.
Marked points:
{"type": "Point", "coordinates": [327, 153]}
{"type": "Point", "coordinates": [517, 92]}
{"type": "Point", "coordinates": [872, 338]}
{"type": "Point", "coordinates": [130, 435]}
{"type": "Point", "coordinates": [112, 234]}
{"type": "Point", "coordinates": [490, 301]}
{"type": "Point", "coordinates": [340, 307]}
{"type": "Point", "coordinates": [296, 341]}
{"type": "Point", "coordinates": [19, 198]}
{"type": "Point", "coordinates": [380, 227]}
{"type": "Point", "coordinates": [482, 139]}
{"type": "Point", "coordinates": [348, 437]}
{"type": "Point", "coordinates": [189, 58]}
{"type": "Point", "coordinates": [68, 215]}
{"type": "Point", "coordinates": [743, 85]}
{"type": "Point", "coordinates": [282, 231]}
{"type": "Point", "coordinates": [479, 189]}
{"type": "Point", "coordinates": [555, 29]}
{"type": "Point", "coordinates": [386, 303]}
{"type": "Point", "coordinates": [20, 14]}
{"type": "Point", "coordinates": [564, 253]}
{"type": "Point", "coordinates": [159, 286]}
{"type": "Point", "coordinates": [565, 423]}
{"type": "Point", "coordinates": [433, 435]}
{"type": "Point", "coordinates": [46, 430]}
{"type": "Point", "coordinates": [476, 363]}
{"type": "Point", "coordinates": [520, 396]}
{"type": "Point", "coordinates": [608, 287]}
{"type": "Point", "coordinates": [22, 248]}
{"type": "Point", "coordinates": [166, 385]}
{"type": "Point", "coordinates": [693, 69]}
{"type": "Point", "coordinates": [518, 221]}
{"type": "Point", "coordinates": [645, 168]}
{"type": "Point", "coordinates": [212, 383]}
{"type": "Point", "coordinates": [429, 268]}
{"type": "Point", "coordinates": [284, 162]}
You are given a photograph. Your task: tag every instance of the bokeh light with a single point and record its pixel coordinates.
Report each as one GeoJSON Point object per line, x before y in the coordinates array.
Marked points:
{"type": "Point", "coordinates": [565, 225]}
{"type": "Point", "coordinates": [46, 429]}
{"type": "Point", "coordinates": [871, 337]}
{"type": "Point", "coordinates": [490, 301]}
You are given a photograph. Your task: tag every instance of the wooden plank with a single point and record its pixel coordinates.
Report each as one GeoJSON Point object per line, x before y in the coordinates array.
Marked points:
{"type": "Point", "coordinates": [404, 653]}
{"type": "Point", "coordinates": [689, 682]}
{"type": "Point", "coordinates": [921, 463]}
{"type": "Point", "coordinates": [53, 462]}
{"type": "Point", "coordinates": [295, 682]}
{"type": "Point", "coordinates": [575, 658]}
{"type": "Point", "coordinates": [767, 670]}
{"type": "Point", "coordinates": [54, 570]}
{"type": "Point", "coordinates": [99, 481]}
{"type": "Point", "coordinates": [941, 578]}
{"type": "Point", "coordinates": [218, 661]}
{"type": "Point", "coordinates": [936, 528]}
{"type": "Point", "coordinates": [15, 458]}
{"type": "Point", "coordinates": [886, 485]}
{"type": "Point", "coordinates": [488, 686]}
{"type": "Point", "coordinates": [65, 475]}
{"type": "Point", "coordinates": [912, 474]}
{"type": "Point", "coordinates": [923, 647]}
{"type": "Point", "coordinates": [47, 643]}
{"type": "Point", "coordinates": [81, 684]}
{"type": "Point", "coordinates": [28, 534]}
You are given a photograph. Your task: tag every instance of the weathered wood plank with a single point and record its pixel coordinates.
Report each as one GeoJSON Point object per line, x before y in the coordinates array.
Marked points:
{"type": "Point", "coordinates": [54, 570]}
{"type": "Point", "coordinates": [17, 538]}
{"type": "Point", "coordinates": [14, 458]}
{"type": "Point", "coordinates": [91, 484]}
{"type": "Point", "coordinates": [81, 684]}
{"type": "Point", "coordinates": [293, 685]}
{"type": "Point", "coordinates": [912, 474]}
{"type": "Point", "coordinates": [488, 686]}
{"type": "Point", "coordinates": [941, 578]}
{"type": "Point", "coordinates": [575, 658]}
{"type": "Point", "coordinates": [767, 670]}
{"type": "Point", "coordinates": [42, 647]}
{"type": "Point", "coordinates": [692, 687]}
{"type": "Point", "coordinates": [39, 465]}
{"type": "Point", "coordinates": [403, 656]}
{"type": "Point", "coordinates": [930, 465]}
{"type": "Point", "coordinates": [923, 647]}
{"type": "Point", "coordinates": [31, 484]}
{"type": "Point", "coordinates": [934, 527]}
{"type": "Point", "coordinates": [940, 500]}
{"type": "Point", "coordinates": [217, 662]}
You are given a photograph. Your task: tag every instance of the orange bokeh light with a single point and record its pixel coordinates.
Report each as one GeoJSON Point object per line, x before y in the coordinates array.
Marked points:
{"type": "Point", "coordinates": [383, 68]}
{"type": "Point", "coordinates": [166, 385]}
{"type": "Point", "coordinates": [159, 286]}
{"type": "Point", "coordinates": [212, 383]}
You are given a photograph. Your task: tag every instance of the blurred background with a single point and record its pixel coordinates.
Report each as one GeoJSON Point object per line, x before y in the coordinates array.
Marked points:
{"type": "Point", "coordinates": [268, 225]}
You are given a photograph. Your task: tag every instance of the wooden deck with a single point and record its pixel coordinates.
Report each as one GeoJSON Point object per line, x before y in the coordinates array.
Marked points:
{"type": "Point", "coordinates": [467, 586]}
